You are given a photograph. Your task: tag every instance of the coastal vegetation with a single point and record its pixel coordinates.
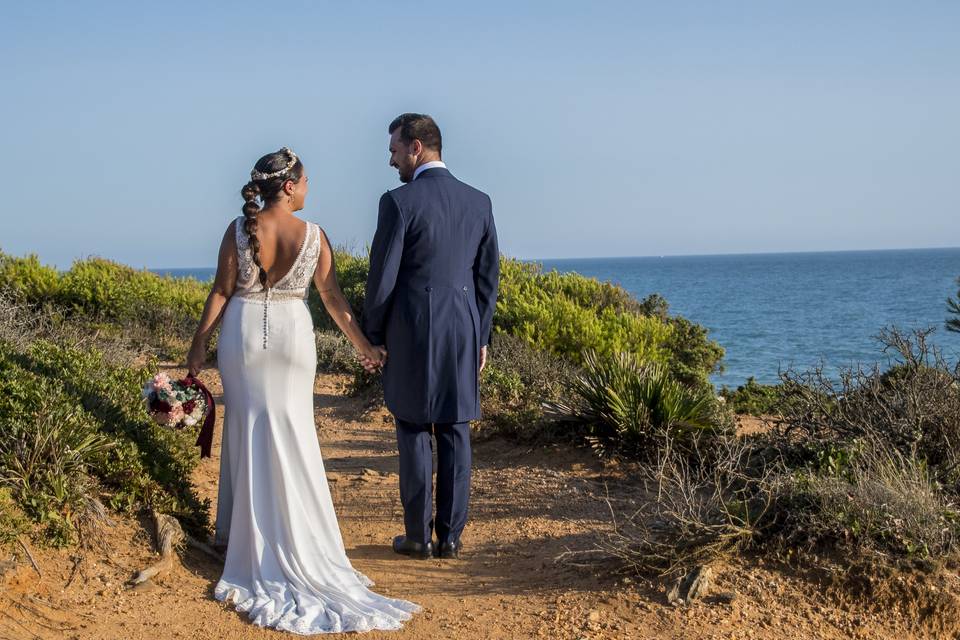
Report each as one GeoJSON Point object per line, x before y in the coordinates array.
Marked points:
{"type": "Point", "coordinates": [753, 398]}
{"type": "Point", "coordinates": [953, 308]}
{"type": "Point", "coordinates": [89, 336]}
{"type": "Point", "coordinates": [75, 436]}
{"type": "Point", "coordinates": [857, 467]}
{"type": "Point", "coordinates": [863, 465]}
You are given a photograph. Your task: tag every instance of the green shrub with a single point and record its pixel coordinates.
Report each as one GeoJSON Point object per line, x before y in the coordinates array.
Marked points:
{"type": "Point", "coordinates": [335, 354]}
{"type": "Point", "coordinates": [120, 292]}
{"type": "Point", "coordinates": [569, 314]}
{"type": "Point", "coordinates": [538, 308]}
{"type": "Point", "coordinates": [26, 280]}
{"type": "Point", "coordinates": [753, 398]}
{"type": "Point", "coordinates": [72, 422]}
{"type": "Point", "coordinates": [878, 498]}
{"type": "Point", "coordinates": [352, 276]}
{"type": "Point", "coordinates": [874, 453]}
{"type": "Point", "coordinates": [913, 407]}
{"type": "Point", "coordinates": [48, 446]}
{"type": "Point", "coordinates": [13, 522]}
{"type": "Point", "coordinates": [693, 356]}
{"type": "Point", "coordinates": [517, 381]}
{"type": "Point", "coordinates": [635, 406]}
{"type": "Point", "coordinates": [95, 290]}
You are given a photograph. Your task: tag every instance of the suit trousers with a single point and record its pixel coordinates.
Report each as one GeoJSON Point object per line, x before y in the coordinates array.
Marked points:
{"type": "Point", "coordinates": [415, 445]}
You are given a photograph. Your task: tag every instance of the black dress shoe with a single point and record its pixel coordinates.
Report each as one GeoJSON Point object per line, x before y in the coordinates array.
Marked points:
{"type": "Point", "coordinates": [407, 547]}
{"type": "Point", "coordinates": [447, 550]}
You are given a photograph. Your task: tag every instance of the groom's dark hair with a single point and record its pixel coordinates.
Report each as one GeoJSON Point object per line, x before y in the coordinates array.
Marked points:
{"type": "Point", "coordinates": [418, 126]}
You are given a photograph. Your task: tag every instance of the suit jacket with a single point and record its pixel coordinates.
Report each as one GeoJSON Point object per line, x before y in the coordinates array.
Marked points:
{"type": "Point", "coordinates": [431, 293]}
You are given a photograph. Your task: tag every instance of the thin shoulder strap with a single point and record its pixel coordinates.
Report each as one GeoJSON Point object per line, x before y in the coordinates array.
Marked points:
{"type": "Point", "coordinates": [239, 232]}
{"type": "Point", "coordinates": [244, 260]}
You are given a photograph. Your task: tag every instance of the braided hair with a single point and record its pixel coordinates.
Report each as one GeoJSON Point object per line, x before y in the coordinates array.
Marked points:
{"type": "Point", "coordinates": [266, 183]}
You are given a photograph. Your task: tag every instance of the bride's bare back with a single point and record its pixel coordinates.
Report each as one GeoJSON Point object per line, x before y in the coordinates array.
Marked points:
{"type": "Point", "coordinates": [281, 237]}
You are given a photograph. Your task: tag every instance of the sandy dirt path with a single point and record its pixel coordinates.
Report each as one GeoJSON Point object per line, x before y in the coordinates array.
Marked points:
{"type": "Point", "coordinates": [527, 507]}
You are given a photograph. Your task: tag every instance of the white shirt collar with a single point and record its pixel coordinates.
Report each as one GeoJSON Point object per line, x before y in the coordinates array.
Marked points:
{"type": "Point", "coordinates": [428, 165]}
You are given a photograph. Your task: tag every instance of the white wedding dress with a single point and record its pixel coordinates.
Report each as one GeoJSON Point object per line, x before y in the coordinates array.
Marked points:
{"type": "Point", "coordinates": [285, 564]}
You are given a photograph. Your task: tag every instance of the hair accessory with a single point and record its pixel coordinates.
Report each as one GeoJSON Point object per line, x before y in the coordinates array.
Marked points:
{"type": "Point", "coordinates": [258, 175]}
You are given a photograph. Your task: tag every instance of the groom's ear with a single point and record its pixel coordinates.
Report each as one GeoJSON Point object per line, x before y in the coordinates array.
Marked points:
{"type": "Point", "coordinates": [416, 147]}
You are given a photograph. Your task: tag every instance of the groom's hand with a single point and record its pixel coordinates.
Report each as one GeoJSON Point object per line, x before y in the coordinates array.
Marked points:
{"type": "Point", "coordinates": [483, 357]}
{"type": "Point", "coordinates": [369, 365]}
{"type": "Point", "coordinates": [374, 360]}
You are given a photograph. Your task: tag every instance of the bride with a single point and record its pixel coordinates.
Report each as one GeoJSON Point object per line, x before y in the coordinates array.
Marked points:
{"type": "Point", "coordinates": [285, 560]}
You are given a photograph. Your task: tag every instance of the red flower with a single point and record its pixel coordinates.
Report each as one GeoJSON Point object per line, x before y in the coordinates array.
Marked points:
{"type": "Point", "coordinates": [161, 405]}
{"type": "Point", "coordinates": [189, 406]}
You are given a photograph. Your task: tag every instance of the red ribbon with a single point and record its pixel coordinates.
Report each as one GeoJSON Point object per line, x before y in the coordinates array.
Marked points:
{"type": "Point", "coordinates": [205, 439]}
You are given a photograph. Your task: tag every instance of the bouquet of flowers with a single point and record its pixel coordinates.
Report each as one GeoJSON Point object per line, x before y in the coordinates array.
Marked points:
{"type": "Point", "coordinates": [176, 404]}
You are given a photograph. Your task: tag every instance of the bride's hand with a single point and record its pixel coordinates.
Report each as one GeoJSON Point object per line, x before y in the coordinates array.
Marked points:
{"type": "Point", "coordinates": [372, 357]}
{"type": "Point", "coordinates": [195, 360]}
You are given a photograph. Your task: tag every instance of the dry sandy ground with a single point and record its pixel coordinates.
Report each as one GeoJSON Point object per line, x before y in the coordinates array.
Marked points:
{"type": "Point", "coordinates": [528, 506]}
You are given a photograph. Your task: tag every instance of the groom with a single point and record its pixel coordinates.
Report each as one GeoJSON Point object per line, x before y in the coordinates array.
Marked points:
{"type": "Point", "coordinates": [431, 293]}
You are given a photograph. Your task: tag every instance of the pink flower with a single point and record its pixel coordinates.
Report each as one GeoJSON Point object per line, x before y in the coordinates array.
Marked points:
{"type": "Point", "coordinates": [176, 414]}
{"type": "Point", "coordinates": [161, 383]}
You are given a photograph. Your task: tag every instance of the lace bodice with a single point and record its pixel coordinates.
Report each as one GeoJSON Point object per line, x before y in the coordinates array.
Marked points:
{"type": "Point", "coordinates": [294, 284]}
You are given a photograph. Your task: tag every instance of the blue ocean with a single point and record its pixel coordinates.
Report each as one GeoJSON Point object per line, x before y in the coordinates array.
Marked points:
{"type": "Point", "coordinates": [772, 311]}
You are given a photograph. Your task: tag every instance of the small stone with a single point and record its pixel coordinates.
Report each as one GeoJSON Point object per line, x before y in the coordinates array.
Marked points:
{"type": "Point", "coordinates": [698, 583]}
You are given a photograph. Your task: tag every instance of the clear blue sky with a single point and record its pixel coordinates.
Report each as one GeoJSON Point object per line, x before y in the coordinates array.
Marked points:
{"type": "Point", "coordinates": [598, 128]}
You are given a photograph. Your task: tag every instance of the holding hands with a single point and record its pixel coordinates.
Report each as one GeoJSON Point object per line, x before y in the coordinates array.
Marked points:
{"type": "Point", "coordinates": [372, 357]}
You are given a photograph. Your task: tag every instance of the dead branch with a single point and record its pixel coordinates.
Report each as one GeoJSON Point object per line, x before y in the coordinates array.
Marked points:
{"type": "Point", "coordinates": [169, 535]}
{"type": "Point", "coordinates": [33, 561]}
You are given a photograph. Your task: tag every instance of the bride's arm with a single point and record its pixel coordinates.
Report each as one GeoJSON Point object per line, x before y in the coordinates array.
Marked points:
{"type": "Point", "coordinates": [325, 279]}
{"type": "Point", "coordinates": [223, 286]}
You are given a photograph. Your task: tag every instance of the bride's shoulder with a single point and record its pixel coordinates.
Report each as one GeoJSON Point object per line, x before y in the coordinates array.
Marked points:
{"type": "Point", "coordinates": [315, 229]}
{"type": "Point", "coordinates": [233, 228]}
{"type": "Point", "coordinates": [322, 236]}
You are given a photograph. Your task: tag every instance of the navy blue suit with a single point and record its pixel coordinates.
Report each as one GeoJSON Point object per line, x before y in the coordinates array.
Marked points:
{"type": "Point", "coordinates": [431, 293]}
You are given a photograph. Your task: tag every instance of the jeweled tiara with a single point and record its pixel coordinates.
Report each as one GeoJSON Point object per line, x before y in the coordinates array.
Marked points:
{"type": "Point", "coordinates": [258, 175]}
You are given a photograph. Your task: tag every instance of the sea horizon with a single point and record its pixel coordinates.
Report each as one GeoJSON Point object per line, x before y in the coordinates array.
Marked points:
{"type": "Point", "coordinates": [665, 255]}
{"type": "Point", "coordinates": [741, 254]}
{"type": "Point", "coordinates": [778, 310]}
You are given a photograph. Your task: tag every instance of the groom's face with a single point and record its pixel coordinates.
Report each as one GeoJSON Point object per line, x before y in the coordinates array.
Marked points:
{"type": "Point", "coordinates": [403, 157]}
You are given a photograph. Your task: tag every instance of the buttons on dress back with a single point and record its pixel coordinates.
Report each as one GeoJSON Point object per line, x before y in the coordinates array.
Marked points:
{"type": "Point", "coordinates": [266, 304]}
{"type": "Point", "coordinates": [295, 285]}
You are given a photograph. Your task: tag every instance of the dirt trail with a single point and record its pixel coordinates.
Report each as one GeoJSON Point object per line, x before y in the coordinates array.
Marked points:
{"type": "Point", "coordinates": [528, 506]}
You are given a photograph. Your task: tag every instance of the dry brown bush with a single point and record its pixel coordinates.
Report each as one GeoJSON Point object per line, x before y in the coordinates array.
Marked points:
{"type": "Point", "coordinates": [688, 508]}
